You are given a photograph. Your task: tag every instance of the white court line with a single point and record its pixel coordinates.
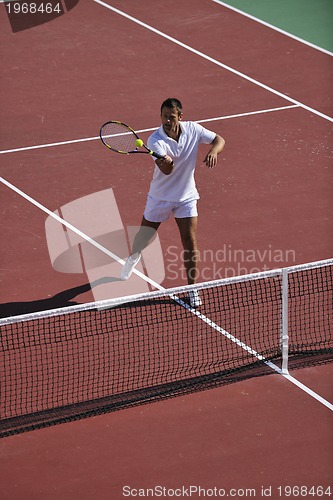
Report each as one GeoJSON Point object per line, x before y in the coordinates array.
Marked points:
{"type": "Point", "coordinates": [77, 231]}
{"type": "Point", "coordinates": [309, 391]}
{"type": "Point", "coordinates": [275, 28]}
{"type": "Point", "coordinates": [214, 61]}
{"type": "Point", "coordinates": [174, 297]}
{"type": "Point", "coordinates": [73, 141]}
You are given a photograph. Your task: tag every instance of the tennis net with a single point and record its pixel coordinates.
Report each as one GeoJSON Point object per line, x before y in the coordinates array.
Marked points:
{"type": "Point", "coordinates": [84, 360]}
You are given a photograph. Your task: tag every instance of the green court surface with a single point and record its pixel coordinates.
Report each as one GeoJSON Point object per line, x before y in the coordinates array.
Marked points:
{"type": "Point", "coordinates": [310, 20]}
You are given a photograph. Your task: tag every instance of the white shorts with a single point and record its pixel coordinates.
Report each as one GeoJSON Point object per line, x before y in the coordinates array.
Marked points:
{"type": "Point", "coordinates": [160, 211]}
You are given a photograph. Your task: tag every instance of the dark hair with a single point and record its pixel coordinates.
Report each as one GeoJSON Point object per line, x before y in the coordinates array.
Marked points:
{"type": "Point", "coordinates": [172, 102]}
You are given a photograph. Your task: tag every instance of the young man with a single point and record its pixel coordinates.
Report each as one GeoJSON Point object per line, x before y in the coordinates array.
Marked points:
{"type": "Point", "coordinates": [173, 188]}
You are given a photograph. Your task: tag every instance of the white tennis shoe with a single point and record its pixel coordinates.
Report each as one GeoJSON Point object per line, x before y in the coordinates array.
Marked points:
{"type": "Point", "coordinates": [128, 267]}
{"type": "Point", "coordinates": [195, 300]}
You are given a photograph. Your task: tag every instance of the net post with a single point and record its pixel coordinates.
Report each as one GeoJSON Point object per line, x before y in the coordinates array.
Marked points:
{"type": "Point", "coordinates": [284, 321]}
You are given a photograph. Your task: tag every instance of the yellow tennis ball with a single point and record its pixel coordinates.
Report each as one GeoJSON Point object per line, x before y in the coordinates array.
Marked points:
{"type": "Point", "coordinates": [138, 143]}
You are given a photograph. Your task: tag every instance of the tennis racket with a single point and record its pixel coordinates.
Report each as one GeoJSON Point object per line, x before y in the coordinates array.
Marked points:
{"type": "Point", "coordinates": [121, 138]}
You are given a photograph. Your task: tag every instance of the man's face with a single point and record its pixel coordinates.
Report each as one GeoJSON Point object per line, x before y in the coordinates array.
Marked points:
{"type": "Point", "coordinates": [170, 119]}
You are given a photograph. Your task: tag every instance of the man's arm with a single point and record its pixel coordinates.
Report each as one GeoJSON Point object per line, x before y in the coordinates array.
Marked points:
{"type": "Point", "coordinates": [217, 146]}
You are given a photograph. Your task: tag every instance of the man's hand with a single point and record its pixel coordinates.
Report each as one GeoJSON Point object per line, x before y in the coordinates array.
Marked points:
{"type": "Point", "coordinates": [165, 165]}
{"type": "Point", "coordinates": [211, 160]}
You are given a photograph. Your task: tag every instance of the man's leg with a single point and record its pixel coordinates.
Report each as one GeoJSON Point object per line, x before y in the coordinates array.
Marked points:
{"type": "Point", "coordinates": [142, 239]}
{"type": "Point", "coordinates": [144, 236]}
{"type": "Point", "coordinates": [188, 233]}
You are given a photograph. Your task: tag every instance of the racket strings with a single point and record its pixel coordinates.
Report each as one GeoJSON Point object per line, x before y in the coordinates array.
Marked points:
{"type": "Point", "coordinates": [118, 137]}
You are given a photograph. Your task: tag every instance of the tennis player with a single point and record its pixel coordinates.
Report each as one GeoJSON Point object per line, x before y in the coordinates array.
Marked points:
{"type": "Point", "coordinates": [172, 189]}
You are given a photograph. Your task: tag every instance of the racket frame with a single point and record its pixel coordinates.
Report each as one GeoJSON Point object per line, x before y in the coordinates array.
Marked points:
{"type": "Point", "coordinates": [134, 151]}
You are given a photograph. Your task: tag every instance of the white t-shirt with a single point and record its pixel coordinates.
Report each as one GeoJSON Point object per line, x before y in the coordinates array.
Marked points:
{"type": "Point", "coordinates": [180, 184]}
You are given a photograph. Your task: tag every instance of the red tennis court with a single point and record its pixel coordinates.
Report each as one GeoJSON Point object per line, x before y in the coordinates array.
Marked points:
{"type": "Point", "coordinates": [267, 204]}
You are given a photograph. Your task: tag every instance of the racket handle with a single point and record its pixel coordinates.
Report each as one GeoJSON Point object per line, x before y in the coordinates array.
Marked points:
{"type": "Point", "coordinates": [159, 157]}
{"type": "Point", "coordinates": [156, 155]}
